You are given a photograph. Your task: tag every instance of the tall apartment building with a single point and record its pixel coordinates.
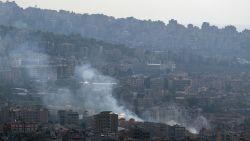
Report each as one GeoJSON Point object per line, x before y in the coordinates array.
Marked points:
{"type": "Point", "coordinates": [106, 122]}
{"type": "Point", "coordinates": [68, 117]}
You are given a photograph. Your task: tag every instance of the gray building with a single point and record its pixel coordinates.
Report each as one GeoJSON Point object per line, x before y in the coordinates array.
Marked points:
{"type": "Point", "coordinates": [68, 117]}
{"type": "Point", "coordinates": [106, 122]}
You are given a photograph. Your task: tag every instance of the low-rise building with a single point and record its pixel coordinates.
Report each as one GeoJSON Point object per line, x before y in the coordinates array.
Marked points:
{"type": "Point", "coordinates": [68, 117]}
{"type": "Point", "coordinates": [24, 114]}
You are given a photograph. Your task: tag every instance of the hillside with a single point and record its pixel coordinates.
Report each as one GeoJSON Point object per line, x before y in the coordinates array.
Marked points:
{"type": "Point", "coordinates": [207, 41]}
{"type": "Point", "coordinates": [17, 41]}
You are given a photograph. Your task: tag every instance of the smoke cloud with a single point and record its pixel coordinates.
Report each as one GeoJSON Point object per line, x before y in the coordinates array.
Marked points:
{"type": "Point", "coordinates": [172, 114]}
{"type": "Point", "coordinates": [97, 91]}
{"type": "Point", "coordinates": [92, 91]}
{"type": "Point", "coordinates": [94, 94]}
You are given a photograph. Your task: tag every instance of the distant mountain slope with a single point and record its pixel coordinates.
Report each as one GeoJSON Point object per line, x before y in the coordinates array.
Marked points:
{"type": "Point", "coordinates": [209, 41]}
{"type": "Point", "coordinates": [23, 42]}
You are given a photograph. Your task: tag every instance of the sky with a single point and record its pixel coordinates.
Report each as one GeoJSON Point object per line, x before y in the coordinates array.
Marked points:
{"type": "Point", "coordinates": [217, 12]}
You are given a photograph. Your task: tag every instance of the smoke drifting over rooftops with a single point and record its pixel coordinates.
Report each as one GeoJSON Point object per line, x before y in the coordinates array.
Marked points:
{"type": "Point", "coordinates": [97, 94]}
{"type": "Point", "coordinates": [94, 92]}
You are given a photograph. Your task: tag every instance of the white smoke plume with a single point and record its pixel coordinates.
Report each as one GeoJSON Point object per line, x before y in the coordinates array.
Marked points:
{"type": "Point", "coordinates": [97, 91]}
{"type": "Point", "coordinates": [172, 114]}
{"type": "Point", "coordinates": [94, 94]}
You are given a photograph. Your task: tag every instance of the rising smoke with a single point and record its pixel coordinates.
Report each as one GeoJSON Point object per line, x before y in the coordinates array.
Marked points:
{"type": "Point", "coordinates": [94, 94]}
{"type": "Point", "coordinates": [95, 90]}
{"type": "Point", "coordinates": [172, 114]}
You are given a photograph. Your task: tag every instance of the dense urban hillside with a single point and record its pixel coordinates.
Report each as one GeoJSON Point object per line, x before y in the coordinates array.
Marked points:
{"type": "Point", "coordinates": [66, 76]}
{"type": "Point", "coordinates": [57, 45]}
{"type": "Point", "coordinates": [207, 41]}
{"type": "Point", "coordinates": [17, 41]}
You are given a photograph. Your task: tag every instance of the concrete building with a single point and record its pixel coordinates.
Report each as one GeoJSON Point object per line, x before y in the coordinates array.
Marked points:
{"type": "Point", "coordinates": [177, 132]}
{"type": "Point", "coordinates": [65, 72]}
{"type": "Point", "coordinates": [27, 115]}
{"type": "Point", "coordinates": [157, 83]}
{"type": "Point", "coordinates": [136, 81]}
{"type": "Point", "coordinates": [139, 134]}
{"type": "Point", "coordinates": [22, 127]}
{"type": "Point", "coordinates": [106, 122]}
{"type": "Point", "coordinates": [65, 68]}
{"type": "Point", "coordinates": [179, 84]}
{"type": "Point", "coordinates": [68, 117]}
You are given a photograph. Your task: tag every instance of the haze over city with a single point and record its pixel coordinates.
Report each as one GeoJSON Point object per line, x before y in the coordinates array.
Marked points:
{"type": "Point", "coordinates": [217, 12]}
{"type": "Point", "coordinates": [124, 70]}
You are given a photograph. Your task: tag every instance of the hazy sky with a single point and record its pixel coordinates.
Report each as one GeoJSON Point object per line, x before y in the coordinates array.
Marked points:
{"type": "Point", "coordinates": [219, 12]}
